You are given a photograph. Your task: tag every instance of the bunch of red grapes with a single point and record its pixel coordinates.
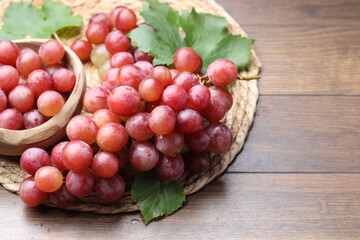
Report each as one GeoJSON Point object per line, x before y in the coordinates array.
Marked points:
{"type": "Point", "coordinates": [33, 85]}
{"type": "Point", "coordinates": [143, 118]}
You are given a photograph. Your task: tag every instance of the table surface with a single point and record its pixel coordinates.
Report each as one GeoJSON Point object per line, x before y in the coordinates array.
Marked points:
{"type": "Point", "coordinates": [298, 175]}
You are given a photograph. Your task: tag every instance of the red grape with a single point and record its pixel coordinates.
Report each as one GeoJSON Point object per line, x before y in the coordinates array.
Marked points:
{"type": "Point", "coordinates": [170, 168]}
{"type": "Point", "coordinates": [50, 103]}
{"type": "Point", "coordinates": [151, 89]}
{"type": "Point", "coordinates": [56, 155]}
{"type": "Point", "coordinates": [222, 72]}
{"type": "Point", "coordinates": [39, 81]}
{"type": "Point", "coordinates": [162, 120]}
{"type": "Point", "coordinates": [198, 141]}
{"type": "Point", "coordinates": [21, 98]}
{"type": "Point", "coordinates": [62, 197]}
{"type": "Point", "coordinates": [9, 78]}
{"type": "Point", "coordinates": [34, 158]}
{"type": "Point", "coordinates": [126, 20]}
{"type": "Point", "coordinates": [11, 119]}
{"type": "Point", "coordinates": [33, 118]}
{"type": "Point", "coordinates": [27, 62]}
{"type": "Point", "coordinates": [48, 179]}
{"type": "Point", "coordinates": [170, 144]}
{"type": "Point", "coordinates": [103, 18]}
{"type": "Point", "coordinates": [186, 80]}
{"type": "Point", "coordinates": [186, 59]}
{"type": "Point", "coordinates": [120, 59]}
{"type": "Point", "coordinates": [103, 116]}
{"type": "Point", "coordinates": [188, 121]}
{"type": "Point", "coordinates": [140, 55]}
{"type": "Point", "coordinates": [30, 194]}
{"type": "Point", "coordinates": [82, 49]}
{"type": "Point", "coordinates": [110, 189]}
{"type": "Point", "coordinates": [145, 66]}
{"type": "Point", "coordinates": [124, 101]}
{"type": "Point", "coordinates": [80, 184]}
{"type": "Point", "coordinates": [162, 74]}
{"type": "Point", "coordinates": [96, 33]}
{"type": "Point", "coordinates": [196, 162]}
{"type": "Point", "coordinates": [117, 41]}
{"type": "Point", "coordinates": [199, 97]}
{"type": "Point", "coordinates": [95, 98]}
{"type": "Point", "coordinates": [138, 127]}
{"type": "Point", "coordinates": [114, 12]}
{"type": "Point", "coordinates": [77, 155]}
{"type": "Point", "coordinates": [112, 137]}
{"type": "Point", "coordinates": [220, 138]}
{"type": "Point", "coordinates": [105, 164]}
{"type": "Point", "coordinates": [130, 75]}
{"type": "Point", "coordinates": [51, 52]}
{"type": "Point", "coordinates": [109, 81]}
{"type": "Point", "coordinates": [64, 80]}
{"type": "Point", "coordinates": [9, 52]}
{"type": "Point", "coordinates": [82, 127]}
{"type": "Point", "coordinates": [175, 97]}
{"type": "Point", "coordinates": [143, 156]}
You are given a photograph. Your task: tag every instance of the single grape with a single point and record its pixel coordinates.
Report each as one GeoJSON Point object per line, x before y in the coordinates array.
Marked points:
{"type": "Point", "coordinates": [62, 197]}
{"type": "Point", "coordinates": [138, 127]}
{"type": "Point", "coordinates": [56, 155]}
{"type": "Point", "coordinates": [151, 90]}
{"type": "Point", "coordinates": [82, 49]}
{"type": "Point", "coordinates": [51, 52]}
{"type": "Point", "coordinates": [3, 100]}
{"type": "Point", "coordinates": [99, 55]}
{"type": "Point", "coordinates": [27, 62]}
{"type": "Point", "coordinates": [198, 141]}
{"type": "Point", "coordinates": [9, 78]}
{"type": "Point", "coordinates": [11, 119]}
{"type": "Point", "coordinates": [110, 189]}
{"type": "Point", "coordinates": [80, 184]}
{"type": "Point", "coordinates": [186, 59]}
{"type": "Point", "coordinates": [175, 97]}
{"type": "Point", "coordinates": [9, 52]}
{"type": "Point", "coordinates": [103, 18]}
{"type": "Point", "coordinates": [48, 179]}
{"type": "Point", "coordinates": [145, 66]}
{"type": "Point", "coordinates": [186, 80]}
{"type": "Point", "coordinates": [40, 81]}
{"type": "Point", "coordinates": [95, 98]}
{"type": "Point", "coordinates": [77, 155]}
{"type": "Point", "coordinates": [30, 194]}
{"type": "Point", "coordinates": [199, 97]}
{"type": "Point", "coordinates": [50, 103]}
{"type": "Point", "coordinates": [64, 80]}
{"type": "Point", "coordinates": [220, 103]}
{"type": "Point", "coordinates": [222, 72]}
{"type": "Point", "coordinates": [117, 41]}
{"type": "Point", "coordinates": [112, 137]}
{"type": "Point", "coordinates": [120, 59]}
{"type": "Point", "coordinates": [105, 164]}
{"type": "Point", "coordinates": [223, 95]}
{"type": "Point", "coordinates": [170, 168]}
{"type": "Point", "coordinates": [126, 20]}
{"type": "Point", "coordinates": [143, 156]}
{"type": "Point", "coordinates": [124, 101]}
{"type": "Point", "coordinates": [170, 144]}
{"type": "Point", "coordinates": [21, 98]}
{"type": "Point", "coordinates": [196, 162]}
{"type": "Point", "coordinates": [82, 127]}
{"type": "Point", "coordinates": [188, 121]}
{"type": "Point", "coordinates": [103, 116]}
{"type": "Point", "coordinates": [220, 138]}
{"type": "Point", "coordinates": [114, 12]}
{"type": "Point", "coordinates": [162, 74]}
{"type": "Point", "coordinates": [33, 159]}
{"type": "Point", "coordinates": [130, 75]}
{"type": "Point", "coordinates": [96, 33]}
{"type": "Point", "coordinates": [33, 118]}
{"type": "Point", "coordinates": [162, 120]}
{"type": "Point", "coordinates": [140, 55]}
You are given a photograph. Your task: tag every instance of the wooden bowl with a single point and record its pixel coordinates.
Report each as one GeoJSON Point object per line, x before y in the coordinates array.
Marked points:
{"type": "Point", "coordinates": [14, 142]}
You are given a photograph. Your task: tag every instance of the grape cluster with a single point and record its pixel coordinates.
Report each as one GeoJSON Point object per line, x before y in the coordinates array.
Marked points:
{"type": "Point", "coordinates": [142, 118]}
{"type": "Point", "coordinates": [33, 85]}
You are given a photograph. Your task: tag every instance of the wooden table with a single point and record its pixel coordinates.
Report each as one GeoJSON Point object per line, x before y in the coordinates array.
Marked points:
{"type": "Point", "coordinates": [298, 175]}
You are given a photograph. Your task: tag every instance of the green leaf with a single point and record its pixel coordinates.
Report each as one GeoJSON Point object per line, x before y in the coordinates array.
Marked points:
{"type": "Point", "coordinates": [207, 34]}
{"type": "Point", "coordinates": [155, 198]}
{"type": "Point", "coordinates": [37, 22]}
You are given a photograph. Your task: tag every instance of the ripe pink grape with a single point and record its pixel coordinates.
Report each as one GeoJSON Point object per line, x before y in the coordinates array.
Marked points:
{"type": "Point", "coordinates": [103, 18]}
{"type": "Point", "coordinates": [96, 33]}
{"type": "Point", "coordinates": [103, 116]}
{"type": "Point", "coordinates": [186, 80]}
{"type": "Point", "coordinates": [138, 127]}
{"type": "Point", "coordinates": [130, 75]}
{"type": "Point", "coordinates": [33, 159]}
{"type": "Point", "coordinates": [62, 197]}
{"type": "Point", "coordinates": [77, 155]}
{"type": "Point", "coordinates": [40, 81]}
{"type": "Point", "coordinates": [9, 78]}
{"type": "Point", "coordinates": [64, 80]}
{"type": "Point", "coordinates": [110, 189]}
{"type": "Point", "coordinates": [9, 52]}
{"type": "Point", "coordinates": [126, 20]}
{"type": "Point", "coordinates": [51, 52]}
{"type": "Point", "coordinates": [222, 72]}
{"type": "Point", "coordinates": [170, 168]}
{"type": "Point", "coordinates": [80, 184]}
{"type": "Point", "coordinates": [112, 137]}
{"type": "Point", "coordinates": [56, 155]}
{"type": "Point", "coordinates": [186, 59]}
{"type": "Point", "coordinates": [162, 120]}
{"type": "Point", "coordinates": [21, 98]}
{"type": "Point", "coordinates": [145, 66]}
{"type": "Point", "coordinates": [199, 97]}
{"type": "Point", "coordinates": [198, 141]}
{"type": "Point", "coordinates": [220, 138]}
{"type": "Point", "coordinates": [124, 101]}
{"type": "Point", "coordinates": [170, 144]}
{"type": "Point", "coordinates": [11, 119]}
{"type": "Point", "coordinates": [48, 179]}
{"type": "Point", "coordinates": [105, 164]}
{"type": "Point", "coordinates": [82, 49]}
{"type": "Point", "coordinates": [175, 97]}
{"type": "Point", "coordinates": [162, 74]}
{"type": "Point", "coordinates": [117, 41]}
{"type": "Point", "coordinates": [143, 156]}
{"type": "Point", "coordinates": [30, 194]}
{"type": "Point", "coordinates": [95, 98]}
{"type": "Point", "coordinates": [82, 127]}
{"type": "Point", "coordinates": [151, 90]}
{"type": "Point", "coordinates": [188, 121]}
{"type": "Point", "coordinates": [50, 103]}
{"type": "Point", "coordinates": [33, 118]}
{"type": "Point", "coordinates": [27, 62]}
{"type": "Point", "coordinates": [120, 59]}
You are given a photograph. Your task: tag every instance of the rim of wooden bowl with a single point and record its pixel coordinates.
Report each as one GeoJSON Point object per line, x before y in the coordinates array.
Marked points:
{"type": "Point", "coordinates": [14, 142]}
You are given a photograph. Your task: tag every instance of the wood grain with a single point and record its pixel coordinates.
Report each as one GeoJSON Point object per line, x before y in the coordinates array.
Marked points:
{"type": "Point", "coordinates": [235, 206]}
{"type": "Point", "coordinates": [292, 12]}
{"type": "Point", "coordinates": [303, 134]}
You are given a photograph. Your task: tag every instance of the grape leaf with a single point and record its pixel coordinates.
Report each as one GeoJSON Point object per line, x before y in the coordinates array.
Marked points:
{"type": "Point", "coordinates": [207, 34]}
{"type": "Point", "coordinates": [155, 198]}
{"type": "Point", "coordinates": [39, 22]}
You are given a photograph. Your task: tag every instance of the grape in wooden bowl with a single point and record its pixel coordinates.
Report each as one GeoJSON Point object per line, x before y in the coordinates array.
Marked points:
{"type": "Point", "coordinates": [37, 118]}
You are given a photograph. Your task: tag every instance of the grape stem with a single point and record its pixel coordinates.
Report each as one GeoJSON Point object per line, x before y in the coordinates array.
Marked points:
{"type": "Point", "coordinates": [204, 79]}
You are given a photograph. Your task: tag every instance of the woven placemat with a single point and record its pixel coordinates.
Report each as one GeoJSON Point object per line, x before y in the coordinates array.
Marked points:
{"type": "Point", "coordinates": [239, 118]}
